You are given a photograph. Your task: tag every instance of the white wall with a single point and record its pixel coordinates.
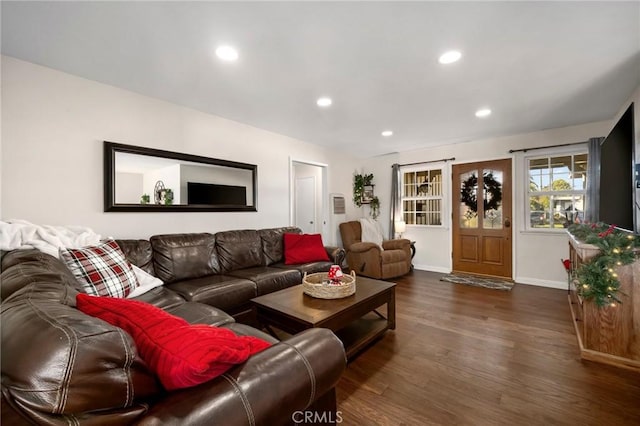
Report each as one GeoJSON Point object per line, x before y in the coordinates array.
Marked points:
{"type": "Point", "coordinates": [1, 150]}
{"type": "Point", "coordinates": [53, 125]}
{"type": "Point", "coordinates": [129, 187]}
{"type": "Point", "coordinates": [536, 255]}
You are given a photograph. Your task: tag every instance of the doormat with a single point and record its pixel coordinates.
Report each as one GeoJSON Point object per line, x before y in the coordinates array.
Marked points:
{"type": "Point", "coordinates": [494, 283]}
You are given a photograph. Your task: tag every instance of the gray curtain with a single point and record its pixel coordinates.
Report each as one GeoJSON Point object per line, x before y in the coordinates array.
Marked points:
{"type": "Point", "coordinates": [396, 206]}
{"type": "Point", "coordinates": [592, 208]}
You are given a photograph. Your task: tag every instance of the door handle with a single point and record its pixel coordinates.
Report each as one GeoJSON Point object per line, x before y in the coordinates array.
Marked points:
{"type": "Point", "coordinates": [507, 222]}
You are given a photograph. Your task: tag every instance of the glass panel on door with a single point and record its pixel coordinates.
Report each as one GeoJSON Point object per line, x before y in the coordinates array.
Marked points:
{"type": "Point", "coordinates": [492, 195]}
{"type": "Point", "coordinates": [469, 199]}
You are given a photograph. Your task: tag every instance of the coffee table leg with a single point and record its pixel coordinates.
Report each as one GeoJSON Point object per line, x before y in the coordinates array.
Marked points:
{"type": "Point", "coordinates": [391, 310]}
{"type": "Point", "coordinates": [375, 311]}
{"type": "Point", "coordinates": [262, 324]}
{"type": "Point", "coordinates": [270, 331]}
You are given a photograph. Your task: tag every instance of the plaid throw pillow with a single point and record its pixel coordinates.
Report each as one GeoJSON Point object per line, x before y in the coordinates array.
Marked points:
{"type": "Point", "coordinates": [102, 270]}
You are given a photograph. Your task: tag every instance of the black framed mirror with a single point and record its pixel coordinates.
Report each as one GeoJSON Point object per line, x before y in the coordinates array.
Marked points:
{"type": "Point", "coordinates": [139, 179]}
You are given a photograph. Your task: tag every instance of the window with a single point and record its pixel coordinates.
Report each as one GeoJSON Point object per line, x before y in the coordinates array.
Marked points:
{"type": "Point", "coordinates": [556, 190]}
{"type": "Point", "coordinates": [422, 202]}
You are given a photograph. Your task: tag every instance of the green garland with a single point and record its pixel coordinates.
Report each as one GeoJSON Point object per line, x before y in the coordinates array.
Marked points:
{"type": "Point", "coordinates": [598, 280]}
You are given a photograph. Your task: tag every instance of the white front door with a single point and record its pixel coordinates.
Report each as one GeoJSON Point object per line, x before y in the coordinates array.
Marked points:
{"type": "Point", "coordinates": [305, 204]}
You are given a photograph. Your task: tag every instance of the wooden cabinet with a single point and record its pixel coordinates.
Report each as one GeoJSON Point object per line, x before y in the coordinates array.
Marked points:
{"type": "Point", "coordinates": [608, 334]}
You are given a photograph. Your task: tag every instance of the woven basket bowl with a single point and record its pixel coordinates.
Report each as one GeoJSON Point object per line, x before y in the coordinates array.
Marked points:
{"type": "Point", "coordinates": [313, 285]}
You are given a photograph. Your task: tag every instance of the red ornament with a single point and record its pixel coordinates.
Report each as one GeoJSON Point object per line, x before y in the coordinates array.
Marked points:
{"type": "Point", "coordinates": [567, 264]}
{"type": "Point", "coordinates": [335, 274]}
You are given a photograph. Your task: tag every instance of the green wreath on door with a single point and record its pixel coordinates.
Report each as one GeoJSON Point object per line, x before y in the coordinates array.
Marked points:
{"type": "Point", "coordinates": [491, 187]}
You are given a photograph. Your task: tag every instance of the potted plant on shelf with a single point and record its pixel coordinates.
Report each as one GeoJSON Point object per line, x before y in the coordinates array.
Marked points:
{"type": "Point", "coordinates": [168, 197]}
{"type": "Point", "coordinates": [363, 193]}
{"type": "Point", "coordinates": [359, 183]}
{"type": "Point", "coordinates": [375, 207]}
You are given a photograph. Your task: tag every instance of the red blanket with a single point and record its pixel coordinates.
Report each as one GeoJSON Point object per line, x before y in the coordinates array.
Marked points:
{"type": "Point", "coordinates": [181, 354]}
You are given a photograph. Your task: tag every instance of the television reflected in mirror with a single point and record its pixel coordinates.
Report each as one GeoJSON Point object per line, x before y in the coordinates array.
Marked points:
{"type": "Point", "coordinates": [145, 179]}
{"type": "Point", "coordinates": [210, 193]}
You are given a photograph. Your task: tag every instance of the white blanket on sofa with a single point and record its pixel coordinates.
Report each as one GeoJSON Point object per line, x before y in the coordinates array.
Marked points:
{"type": "Point", "coordinates": [371, 231]}
{"type": "Point", "coordinates": [20, 234]}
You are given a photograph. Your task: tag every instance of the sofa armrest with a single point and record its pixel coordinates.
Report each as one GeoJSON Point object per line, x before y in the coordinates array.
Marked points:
{"type": "Point", "coordinates": [267, 389]}
{"type": "Point", "coordinates": [336, 254]}
{"type": "Point", "coordinates": [399, 244]}
{"type": "Point", "coordinates": [364, 247]}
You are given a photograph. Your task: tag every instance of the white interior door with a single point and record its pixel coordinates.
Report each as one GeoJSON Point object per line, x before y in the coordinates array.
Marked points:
{"type": "Point", "coordinates": [305, 204]}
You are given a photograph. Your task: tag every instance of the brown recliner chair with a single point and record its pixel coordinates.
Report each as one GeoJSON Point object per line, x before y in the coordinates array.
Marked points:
{"type": "Point", "coordinates": [367, 259]}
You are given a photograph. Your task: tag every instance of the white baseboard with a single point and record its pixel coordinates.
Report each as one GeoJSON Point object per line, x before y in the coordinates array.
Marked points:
{"type": "Point", "coordinates": [562, 285]}
{"type": "Point", "coordinates": [431, 268]}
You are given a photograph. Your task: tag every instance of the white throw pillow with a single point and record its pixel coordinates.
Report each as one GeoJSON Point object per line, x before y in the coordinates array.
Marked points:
{"type": "Point", "coordinates": [371, 232]}
{"type": "Point", "coordinates": [146, 282]}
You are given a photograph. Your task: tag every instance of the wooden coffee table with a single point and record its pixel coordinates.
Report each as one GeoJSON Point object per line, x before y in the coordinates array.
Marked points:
{"type": "Point", "coordinates": [355, 319]}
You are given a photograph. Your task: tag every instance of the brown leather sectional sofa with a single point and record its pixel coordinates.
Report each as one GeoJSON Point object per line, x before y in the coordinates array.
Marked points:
{"type": "Point", "coordinates": [60, 366]}
{"type": "Point", "coordinates": [225, 270]}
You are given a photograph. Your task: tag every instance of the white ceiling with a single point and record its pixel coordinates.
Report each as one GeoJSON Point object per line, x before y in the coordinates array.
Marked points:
{"type": "Point", "coordinates": [537, 65]}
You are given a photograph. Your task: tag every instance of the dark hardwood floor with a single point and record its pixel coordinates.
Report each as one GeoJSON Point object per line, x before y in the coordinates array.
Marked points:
{"type": "Point", "coordinates": [474, 356]}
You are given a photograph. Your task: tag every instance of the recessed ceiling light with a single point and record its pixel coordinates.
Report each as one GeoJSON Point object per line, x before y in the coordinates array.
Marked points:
{"type": "Point", "coordinates": [324, 102]}
{"type": "Point", "coordinates": [227, 53]}
{"type": "Point", "coordinates": [387, 133]}
{"type": "Point", "coordinates": [482, 113]}
{"type": "Point", "coordinates": [450, 57]}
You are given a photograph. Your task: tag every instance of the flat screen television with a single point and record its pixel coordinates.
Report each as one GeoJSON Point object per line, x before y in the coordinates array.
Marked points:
{"type": "Point", "coordinates": [617, 204]}
{"type": "Point", "coordinates": [209, 193]}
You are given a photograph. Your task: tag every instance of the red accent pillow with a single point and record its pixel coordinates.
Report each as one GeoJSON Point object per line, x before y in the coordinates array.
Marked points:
{"type": "Point", "coordinates": [303, 248]}
{"type": "Point", "coordinates": [181, 354]}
